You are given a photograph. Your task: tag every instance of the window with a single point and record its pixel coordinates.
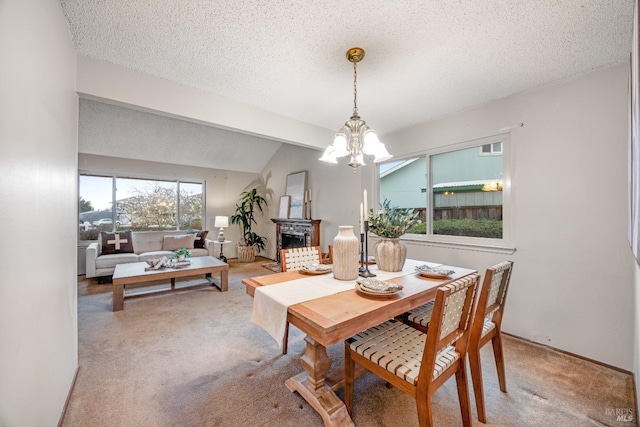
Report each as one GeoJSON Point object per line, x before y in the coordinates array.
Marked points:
{"type": "Point", "coordinates": [491, 149]}
{"type": "Point", "coordinates": [110, 203]}
{"type": "Point", "coordinates": [460, 191]}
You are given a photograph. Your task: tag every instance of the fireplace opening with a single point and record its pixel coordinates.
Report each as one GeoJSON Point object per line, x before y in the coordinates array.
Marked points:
{"type": "Point", "coordinates": [293, 240]}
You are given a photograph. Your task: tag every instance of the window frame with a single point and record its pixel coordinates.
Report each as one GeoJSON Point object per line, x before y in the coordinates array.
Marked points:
{"type": "Point", "coordinates": [503, 245]}
{"type": "Point", "coordinates": [115, 176]}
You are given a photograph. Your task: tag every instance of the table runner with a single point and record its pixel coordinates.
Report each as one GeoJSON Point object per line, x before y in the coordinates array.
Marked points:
{"type": "Point", "coordinates": [271, 302]}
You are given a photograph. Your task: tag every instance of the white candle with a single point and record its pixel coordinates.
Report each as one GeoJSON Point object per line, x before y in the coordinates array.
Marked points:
{"type": "Point", "coordinates": [361, 219]}
{"type": "Point", "coordinates": [366, 210]}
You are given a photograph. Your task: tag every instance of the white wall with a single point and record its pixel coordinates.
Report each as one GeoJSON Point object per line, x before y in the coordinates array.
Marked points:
{"type": "Point", "coordinates": [111, 130]}
{"type": "Point", "coordinates": [572, 286]}
{"type": "Point", "coordinates": [334, 189]}
{"type": "Point", "coordinates": [38, 135]}
{"type": "Point", "coordinates": [223, 187]}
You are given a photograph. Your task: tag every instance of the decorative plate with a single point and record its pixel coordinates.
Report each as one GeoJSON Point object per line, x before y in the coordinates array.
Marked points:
{"type": "Point", "coordinates": [378, 288]}
{"type": "Point", "coordinates": [377, 294]}
{"type": "Point", "coordinates": [434, 273]}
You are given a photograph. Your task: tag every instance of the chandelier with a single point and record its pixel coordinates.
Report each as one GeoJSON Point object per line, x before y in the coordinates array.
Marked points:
{"type": "Point", "coordinates": [355, 138]}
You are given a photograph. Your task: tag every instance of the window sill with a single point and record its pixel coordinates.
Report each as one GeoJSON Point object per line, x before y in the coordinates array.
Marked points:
{"type": "Point", "coordinates": [438, 243]}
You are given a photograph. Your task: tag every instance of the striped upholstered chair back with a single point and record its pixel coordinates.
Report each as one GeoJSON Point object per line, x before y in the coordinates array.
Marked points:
{"type": "Point", "coordinates": [448, 334]}
{"type": "Point", "coordinates": [487, 327]}
{"type": "Point", "coordinates": [296, 258]}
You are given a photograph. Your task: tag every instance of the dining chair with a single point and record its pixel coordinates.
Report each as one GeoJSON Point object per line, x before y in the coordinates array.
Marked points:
{"type": "Point", "coordinates": [294, 259]}
{"type": "Point", "coordinates": [486, 326]}
{"type": "Point", "coordinates": [415, 362]}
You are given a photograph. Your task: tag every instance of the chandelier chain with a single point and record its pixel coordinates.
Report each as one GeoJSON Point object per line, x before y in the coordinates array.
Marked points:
{"type": "Point", "coordinates": [355, 88]}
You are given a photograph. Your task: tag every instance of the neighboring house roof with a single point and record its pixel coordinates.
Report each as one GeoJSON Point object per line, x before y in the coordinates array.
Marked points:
{"type": "Point", "coordinates": [396, 167]}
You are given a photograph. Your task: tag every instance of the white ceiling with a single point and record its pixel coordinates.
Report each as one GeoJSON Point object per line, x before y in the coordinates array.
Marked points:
{"type": "Point", "coordinates": [424, 58]}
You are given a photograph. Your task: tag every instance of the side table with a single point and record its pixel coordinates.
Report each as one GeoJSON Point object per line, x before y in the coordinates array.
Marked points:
{"type": "Point", "coordinates": [222, 257]}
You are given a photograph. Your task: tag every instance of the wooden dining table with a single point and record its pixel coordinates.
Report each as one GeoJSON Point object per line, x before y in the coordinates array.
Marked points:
{"type": "Point", "coordinates": [331, 319]}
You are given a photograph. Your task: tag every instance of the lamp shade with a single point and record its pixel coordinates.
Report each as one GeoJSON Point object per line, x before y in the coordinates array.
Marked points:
{"type": "Point", "coordinates": [221, 221]}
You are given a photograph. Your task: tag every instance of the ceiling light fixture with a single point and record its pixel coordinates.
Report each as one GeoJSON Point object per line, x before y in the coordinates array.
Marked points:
{"type": "Point", "coordinates": [355, 138]}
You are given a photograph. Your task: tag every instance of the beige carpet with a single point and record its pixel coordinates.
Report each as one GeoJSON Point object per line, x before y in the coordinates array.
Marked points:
{"type": "Point", "coordinates": [192, 358]}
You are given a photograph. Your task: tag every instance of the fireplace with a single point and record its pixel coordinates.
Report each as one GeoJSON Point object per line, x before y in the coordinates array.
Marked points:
{"type": "Point", "coordinates": [296, 233]}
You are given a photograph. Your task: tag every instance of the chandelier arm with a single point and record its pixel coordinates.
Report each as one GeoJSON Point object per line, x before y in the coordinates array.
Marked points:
{"type": "Point", "coordinates": [355, 88]}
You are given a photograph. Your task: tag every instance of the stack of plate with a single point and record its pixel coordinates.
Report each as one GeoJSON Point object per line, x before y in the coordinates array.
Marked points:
{"type": "Point", "coordinates": [315, 268]}
{"type": "Point", "coordinates": [436, 273]}
{"type": "Point", "coordinates": [377, 288]}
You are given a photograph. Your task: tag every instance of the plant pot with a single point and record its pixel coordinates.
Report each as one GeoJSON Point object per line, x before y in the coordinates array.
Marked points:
{"type": "Point", "coordinates": [246, 253]}
{"type": "Point", "coordinates": [180, 258]}
{"type": "Point", "coordinates": [390, 254]}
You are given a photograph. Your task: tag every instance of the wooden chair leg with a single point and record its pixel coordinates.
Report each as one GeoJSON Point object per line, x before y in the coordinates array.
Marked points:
{"type": "Point", "coordinates": [496, 341]}
{"type": "Point", "coordinates": [285, 341]}
{"type": "Point", "coordinates": [349, 378]}
{"type": "Point", "coordinates": [463, 393]}
{"type": "Point", "coordinates": [475, 366]}
{"type": "Point", "coordinates": [425, 411]}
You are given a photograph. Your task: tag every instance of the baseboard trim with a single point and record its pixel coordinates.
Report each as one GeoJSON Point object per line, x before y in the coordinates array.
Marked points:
{"type": "Point", "coordinates": [568, 353]}
{"type": "Point", "coordinates": [66, 403]}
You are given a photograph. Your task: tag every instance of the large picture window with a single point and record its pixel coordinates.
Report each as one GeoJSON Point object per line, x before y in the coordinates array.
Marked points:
{"type": "Point", "coordinates": [110, 203]}
{"type": "Point", "coordinates": [459, 190]}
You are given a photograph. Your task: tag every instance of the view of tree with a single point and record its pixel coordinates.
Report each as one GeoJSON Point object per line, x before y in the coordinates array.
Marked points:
{"type": "Point", "coordinates": [85, 205]}
{"type": "Point", "coordinates": [154, 207]}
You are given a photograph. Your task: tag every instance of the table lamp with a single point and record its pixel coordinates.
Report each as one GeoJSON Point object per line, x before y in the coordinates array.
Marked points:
{"type": "Point", "coordinates": [222, 222]}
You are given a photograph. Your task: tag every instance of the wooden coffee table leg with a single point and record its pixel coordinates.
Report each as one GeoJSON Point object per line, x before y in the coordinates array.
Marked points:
{"type": "Point", "coordinates": [118, 296]}
{"type": "Point", "coordinates": [311, 386]}
{"type": "Point", "coordinates": [224, 281]}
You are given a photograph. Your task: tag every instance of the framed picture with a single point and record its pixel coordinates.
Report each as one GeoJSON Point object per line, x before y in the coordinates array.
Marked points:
{"type": "Point", "coordinates": [296, 187]}
{"type": "Point", "coordinates": [285, 202]}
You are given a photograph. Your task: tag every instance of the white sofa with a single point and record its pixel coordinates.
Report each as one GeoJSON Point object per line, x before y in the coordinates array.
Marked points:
{"type": "Point", "coordinates": [146, 245]}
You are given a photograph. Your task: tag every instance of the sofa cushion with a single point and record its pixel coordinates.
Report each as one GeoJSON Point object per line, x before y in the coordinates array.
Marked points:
{"type": "Point", "coordinates": [119, 242]}
{"type": "Point", "coordinates": [173, 243]}
{"type": "Point", "coordinates": [110, 261]}
{"type": "Point", "coordinates": [155, 254]}
{"type": "Point", "coordinates": [200, 235]}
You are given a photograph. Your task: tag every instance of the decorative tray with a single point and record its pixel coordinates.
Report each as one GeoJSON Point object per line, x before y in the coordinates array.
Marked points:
{"type": "Point", "coordinates": [434, 273]}
{"type": "Point", "coordinates": [377, 288]}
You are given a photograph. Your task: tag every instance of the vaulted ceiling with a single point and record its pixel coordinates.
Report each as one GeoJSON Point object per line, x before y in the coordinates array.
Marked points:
{"type": "Point", "coordinates": [424, 58]}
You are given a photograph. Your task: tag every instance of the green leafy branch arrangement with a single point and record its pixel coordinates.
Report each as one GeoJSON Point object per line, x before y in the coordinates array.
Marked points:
{"type": "Point", "coordinates": [391, 221]}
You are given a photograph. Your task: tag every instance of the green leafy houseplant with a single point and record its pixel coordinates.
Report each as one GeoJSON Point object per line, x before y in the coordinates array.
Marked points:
{"type": "Point", "coordinates": [181, 252]}
{"type": "Point", "coordinates": [249, 205]}
{"type": "Point", "coordinates": [391, 221]}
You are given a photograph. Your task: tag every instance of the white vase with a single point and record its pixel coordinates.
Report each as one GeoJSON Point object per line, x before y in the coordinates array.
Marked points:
{"type": "Point", "coordinates": [390, 254]}
{"type": "Point", "coordinates": [180, 258]}
{"type": "Point", "coordinates": [345, 254]}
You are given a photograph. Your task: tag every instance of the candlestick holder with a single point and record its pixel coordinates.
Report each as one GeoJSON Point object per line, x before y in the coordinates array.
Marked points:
{"type": "Point", "coordinates": [366, 272]}
{"type": "Point", "coordinates": [361, 269]}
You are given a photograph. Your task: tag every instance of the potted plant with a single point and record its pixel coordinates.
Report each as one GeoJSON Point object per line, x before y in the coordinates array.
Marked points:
{"type": "Point", "coordinates": [250, 203]}
{"type": "Point", "coordinates": [181, 254]}
{"type": "Point", "coordinates": [389, 223]}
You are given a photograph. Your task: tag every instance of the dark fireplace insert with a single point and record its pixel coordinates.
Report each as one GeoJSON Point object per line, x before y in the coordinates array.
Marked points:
{"type": "Point", "coordinates": [293, 240]}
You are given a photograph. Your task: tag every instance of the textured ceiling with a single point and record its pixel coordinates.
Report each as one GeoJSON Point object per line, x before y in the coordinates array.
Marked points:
{"type": "Point", "coordinates": [424, 58]}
